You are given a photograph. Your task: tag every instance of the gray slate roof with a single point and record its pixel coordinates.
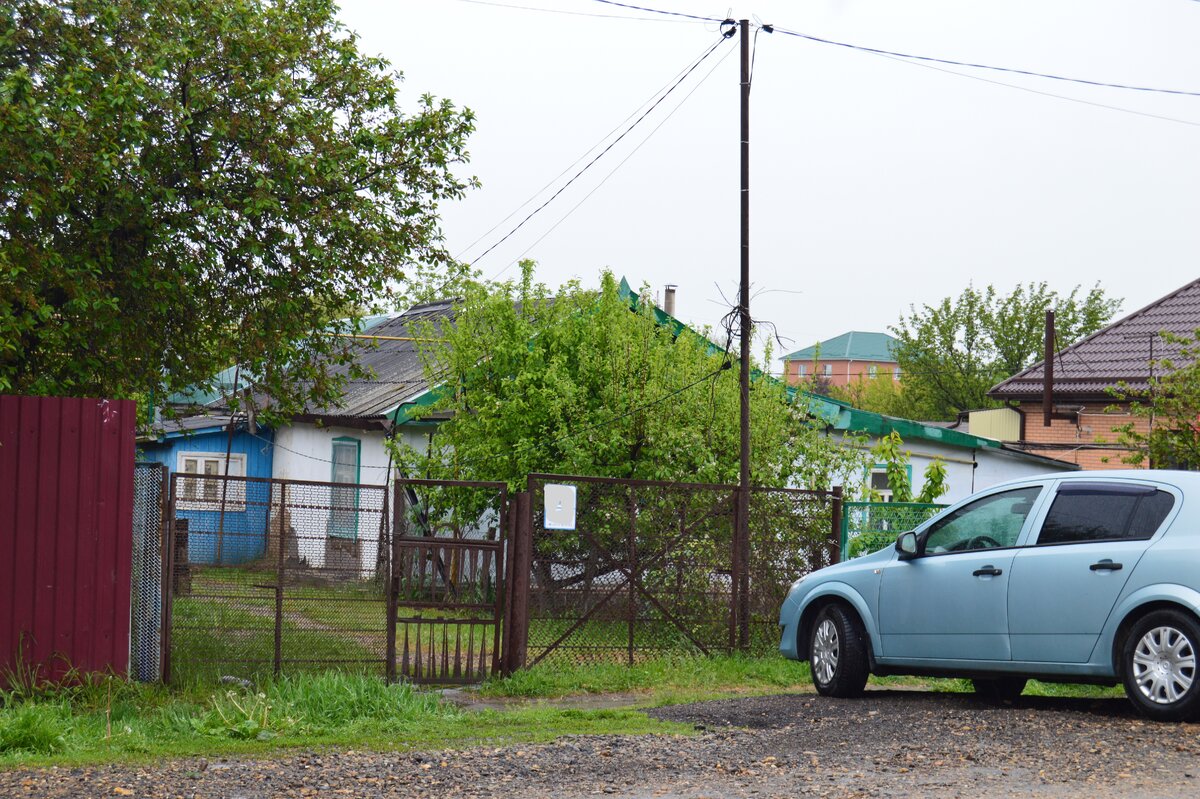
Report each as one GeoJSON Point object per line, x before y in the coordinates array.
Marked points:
{"type": "Point", "coordinates": [1119, 353]}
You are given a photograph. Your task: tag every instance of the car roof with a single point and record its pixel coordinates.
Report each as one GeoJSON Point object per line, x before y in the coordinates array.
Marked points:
{"type": "Point", "coordinates": [1185, 481]}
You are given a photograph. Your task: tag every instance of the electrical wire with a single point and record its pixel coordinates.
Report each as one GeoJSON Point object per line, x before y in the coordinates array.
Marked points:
{"type": "Point", "coordinates": [617, 168]}
{"type": "Point", "coordinates": [1038, 91]}
{"type": "Point", "coordinates": [582, 13]}
{"type": "Point", "coordinates": [659, 11]}
{"type": "Point", "coordinates": [972, 65]}
{"type": "Point", "coordinates": [603, 152]}
{"type": "Point", "coordinates": [584, 155]}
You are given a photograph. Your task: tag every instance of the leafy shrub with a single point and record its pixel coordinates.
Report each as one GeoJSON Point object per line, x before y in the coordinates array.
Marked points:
{"type": "Point", "coordinates": [866, 543]}
{"type": "Point", "coordinates": [34, 728]}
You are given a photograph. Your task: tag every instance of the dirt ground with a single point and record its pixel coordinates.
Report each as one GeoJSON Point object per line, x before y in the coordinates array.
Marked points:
{"type": "Point", "coordinates": [888, 744]}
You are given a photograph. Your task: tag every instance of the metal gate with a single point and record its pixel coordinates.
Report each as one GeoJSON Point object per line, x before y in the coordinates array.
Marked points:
{"type": "Point", "coordinates": [447, 591]}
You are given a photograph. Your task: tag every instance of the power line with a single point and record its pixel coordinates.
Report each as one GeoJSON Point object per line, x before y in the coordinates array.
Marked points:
{"type": "Point", "coordinates": [585, 154]}
{"type": "Point", "coordinates": [661, 11]}
{"type": "Point", "coordinates": [1038, 91]}
{"type": "Point", "coordinates": [603, 152]}
{"type": "Point", "coordinates": [1013, 70]}
{"type": "Point", "coordinates": [580, 13]}
{"type": "Point", "coordinates": [617, 168]}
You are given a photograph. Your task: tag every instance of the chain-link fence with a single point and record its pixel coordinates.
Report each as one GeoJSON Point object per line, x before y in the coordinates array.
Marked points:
{"type": "Point", "coordinates": [268, 575]}
{"type": "Point", "coordinates": [145, 618]}
{"type": "Point", "coordinates": [791, 534]}
{"type": "Point", "coordinates": [652, 567]}
{"type": "Point", "coordinates": [870, 526]}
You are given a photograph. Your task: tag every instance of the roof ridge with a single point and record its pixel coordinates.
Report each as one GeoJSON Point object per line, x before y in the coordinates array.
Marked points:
{"type": "Point", "coordinates": [1023, 374]}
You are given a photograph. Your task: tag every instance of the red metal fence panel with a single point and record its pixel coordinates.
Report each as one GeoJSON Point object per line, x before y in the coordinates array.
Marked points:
{"type": "Point", "coordinates": [66, 520]}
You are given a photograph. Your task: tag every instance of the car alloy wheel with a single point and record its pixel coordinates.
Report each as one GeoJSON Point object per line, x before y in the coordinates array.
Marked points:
{"type": "Point", "coordinates": [825, 651]}
{"type": "Point", "coordinates": [1164, 665]}
{"type": "Point", "coordinates": [837, 652]}
{"type": "Point", "coordinates": [1159, 666]}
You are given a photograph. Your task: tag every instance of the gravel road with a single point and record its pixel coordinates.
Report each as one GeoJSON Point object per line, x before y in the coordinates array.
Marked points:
{"type": "Point", "coordinates": [889, 744]}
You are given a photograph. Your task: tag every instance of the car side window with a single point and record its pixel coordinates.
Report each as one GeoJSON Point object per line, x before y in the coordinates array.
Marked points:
{"type": "Point", "coordinates": [1104, 512]}
{"type": "Point", "coordinates": [992, 522]}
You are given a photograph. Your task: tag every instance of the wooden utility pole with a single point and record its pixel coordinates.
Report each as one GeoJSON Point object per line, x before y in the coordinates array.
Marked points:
{"type": "Point", "coordinates": [1048, 372]}
{"type": "Point", "coordinates": [743, 516]}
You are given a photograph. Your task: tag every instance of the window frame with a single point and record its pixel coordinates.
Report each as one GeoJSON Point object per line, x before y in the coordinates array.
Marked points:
{"type": "Point", "coordinates": [336, 527]}
{"type": "Point", "coordinates": [235, 494]}
{"type": "Point", "coordinates": [1034, 516]}
{"type": "Point", "coordinates": [1067, 487]}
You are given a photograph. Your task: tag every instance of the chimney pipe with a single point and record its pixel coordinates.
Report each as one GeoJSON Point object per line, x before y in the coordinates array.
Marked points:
{"type": "Point", "coordinates": [669, 299]}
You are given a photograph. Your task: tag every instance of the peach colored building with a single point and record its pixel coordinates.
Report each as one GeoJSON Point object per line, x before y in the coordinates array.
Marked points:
{"type": "Point", "coordinates": [856, 355]}
{"type": "Point", "coordinates": [1084, 409]}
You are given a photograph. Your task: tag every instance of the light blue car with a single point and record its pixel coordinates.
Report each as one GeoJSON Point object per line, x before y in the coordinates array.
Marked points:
{"type": "Point", "coordinates": [1084, 577]}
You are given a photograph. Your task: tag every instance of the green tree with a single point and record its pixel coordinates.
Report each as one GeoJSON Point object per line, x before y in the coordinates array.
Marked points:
{"type": "Point", "coordinates": [583, 383]}
{"type": "Point", "coordinates": [1169, 437]}
{"type": "Point", "coordinates": [951, 353]}
{"type": "Point", "coordinates": [187, 185]}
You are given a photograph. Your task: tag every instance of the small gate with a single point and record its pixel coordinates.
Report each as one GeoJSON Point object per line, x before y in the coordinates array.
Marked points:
{"type": "Point", "coordinates": [447, 594]}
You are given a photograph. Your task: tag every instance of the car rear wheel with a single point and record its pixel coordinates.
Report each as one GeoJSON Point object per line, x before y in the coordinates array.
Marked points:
{"type": "Point", "coordinates": [999, 689]}
{"type": "Point", "coordinates": [1159, 666]}
{"type": "Point", "coordinates": [838, 653]}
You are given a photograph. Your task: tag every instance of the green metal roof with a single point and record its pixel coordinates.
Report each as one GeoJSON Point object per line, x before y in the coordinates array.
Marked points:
{"type": "Point", "coordinates": [853, 346]}
{"type": "Point", "coordinates": [841, 416]}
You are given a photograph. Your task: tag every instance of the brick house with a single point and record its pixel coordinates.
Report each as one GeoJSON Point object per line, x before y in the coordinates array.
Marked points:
{"type": "Point", "coordinates": [1085, 410]}
{"type": "Point", "coordinates": [851, 356]}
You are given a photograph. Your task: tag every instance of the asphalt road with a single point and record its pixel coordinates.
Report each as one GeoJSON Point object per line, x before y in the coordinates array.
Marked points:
{"type": "Point", "coordinates": [888, 744]}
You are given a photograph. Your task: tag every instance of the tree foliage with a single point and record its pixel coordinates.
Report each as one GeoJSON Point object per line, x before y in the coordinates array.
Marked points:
{"type": "Point", "coordinates": [188, 185]}
{"type": "Point", "coordinates": [1170, 436]}
{"type": "Point", "coordinates": [586, 382]}
{"type": "Point", "coordinates": [951, 353]}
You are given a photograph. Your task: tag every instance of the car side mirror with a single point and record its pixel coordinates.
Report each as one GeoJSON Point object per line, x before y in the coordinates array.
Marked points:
{"type": "Point", "coordinates": [906, 545]}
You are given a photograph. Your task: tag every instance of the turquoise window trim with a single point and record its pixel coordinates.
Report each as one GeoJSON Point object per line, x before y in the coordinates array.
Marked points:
{"type": "Point", "coordinates": [344, 523]}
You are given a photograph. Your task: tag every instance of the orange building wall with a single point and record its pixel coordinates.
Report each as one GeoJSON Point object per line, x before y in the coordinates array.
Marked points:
{"type": "Point", "coordinates": [843, 371]}
{"type": "Point", "coordinates": [1094, 425]}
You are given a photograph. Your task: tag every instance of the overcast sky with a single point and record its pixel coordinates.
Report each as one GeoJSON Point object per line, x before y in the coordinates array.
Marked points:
{"type": "Point", "coordinates": [875, 183]}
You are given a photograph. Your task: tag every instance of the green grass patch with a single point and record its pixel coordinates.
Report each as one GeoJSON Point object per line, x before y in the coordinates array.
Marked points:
{"type": "Point", "coordinates": [105, 720]}
{"type": "Point", "coordinates": [663, 680]}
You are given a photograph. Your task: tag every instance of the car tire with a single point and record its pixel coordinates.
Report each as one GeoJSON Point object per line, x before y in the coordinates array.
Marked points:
{"type": "Point", "coordinates": [1158, 664]}
{"type": "Point", "coordinates": [997, 690]}
{"type": "Point", "coordinates": [838, 653]}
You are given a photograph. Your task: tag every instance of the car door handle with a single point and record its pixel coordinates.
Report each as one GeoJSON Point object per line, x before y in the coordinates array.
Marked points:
{"type": "Point", "coordinates": [1106, 565]}
{"type": "Point", "coordinates": [988, 571]}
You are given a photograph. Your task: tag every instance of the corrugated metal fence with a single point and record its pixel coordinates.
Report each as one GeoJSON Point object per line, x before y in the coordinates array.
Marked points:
{"type": "Point", "coordinates": [66, 521]}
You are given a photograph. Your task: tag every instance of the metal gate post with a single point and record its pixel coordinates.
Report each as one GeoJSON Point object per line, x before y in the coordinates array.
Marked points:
{"type": "Point", "coordinates": [516, 608]}
{"type": "Point", "coordinates": [837, 535]}
{"type": "Point", "coordinates": [278, 663]}
{"type": "Point", "coordinates": [393, 582]}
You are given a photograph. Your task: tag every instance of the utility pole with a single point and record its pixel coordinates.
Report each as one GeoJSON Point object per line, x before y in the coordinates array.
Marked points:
{"type": "Point", "coordinates": [743, 516]}
{"type": "Point", "coordinates": [1048, 372]}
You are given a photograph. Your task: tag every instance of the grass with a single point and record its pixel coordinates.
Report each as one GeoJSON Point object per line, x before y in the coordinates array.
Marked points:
{"type": "Point", "coordinates": [85, 724]}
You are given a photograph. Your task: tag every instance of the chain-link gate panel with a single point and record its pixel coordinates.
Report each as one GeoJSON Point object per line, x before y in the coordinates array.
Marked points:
{"type": "Point", "coordinates": [146, 589]}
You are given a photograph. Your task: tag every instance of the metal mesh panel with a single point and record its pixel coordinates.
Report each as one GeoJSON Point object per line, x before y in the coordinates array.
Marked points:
{"type": "Point", "coordinates": [447, 579]}
{"type": "Point", "coordinates": [870, 526]}
{"type": "Point", "coordinates": [277, 575]}
{"type": "Point", "coordinates": [646, 571]}
{"type": "Point", "coordinates": [791, 534]}
{"type": "Point", "coordinates": [145, 628]}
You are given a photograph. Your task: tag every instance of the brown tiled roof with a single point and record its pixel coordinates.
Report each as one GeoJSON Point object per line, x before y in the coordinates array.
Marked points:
{"type": "Point", "coordinates": [1119, 353]}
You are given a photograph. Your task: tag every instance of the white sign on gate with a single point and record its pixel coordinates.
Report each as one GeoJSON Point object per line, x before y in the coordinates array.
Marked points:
{"type": "Point", "coordinates": [559, 506]}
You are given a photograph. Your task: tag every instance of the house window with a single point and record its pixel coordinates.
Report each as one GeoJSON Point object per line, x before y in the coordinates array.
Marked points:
{"type": "Point", "coordinates": [881, 488]}
{"type": "Point", "coordinates": [896, 374]}
{"type": "Point", "coordinates": [343, 500]}
{"type": "Point", "coordinates": [829, 370]}
{"type": "Point", "coordinates": [873, 371]}
{"type": "Point", "coordinates": [201, 486]}
{"type": "Point", "coordinates": [801, 370]}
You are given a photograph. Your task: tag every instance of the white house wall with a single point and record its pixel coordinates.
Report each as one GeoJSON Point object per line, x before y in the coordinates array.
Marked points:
{"type": "Point", "coordinates": [965, 476]}
{"type": "Point", "coordinates": [305, 452]}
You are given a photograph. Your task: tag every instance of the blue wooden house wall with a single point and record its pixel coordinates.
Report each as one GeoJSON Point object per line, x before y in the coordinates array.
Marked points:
{"type": "Point", "coordinates": [240, 535]}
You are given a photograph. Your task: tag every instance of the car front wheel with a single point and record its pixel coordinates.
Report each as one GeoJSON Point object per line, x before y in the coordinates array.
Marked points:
{"type": "Point", "coordinates": [838, 653]}
{"type": "Point", "coordinates": [1159, 665]}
